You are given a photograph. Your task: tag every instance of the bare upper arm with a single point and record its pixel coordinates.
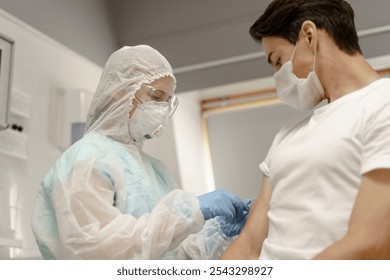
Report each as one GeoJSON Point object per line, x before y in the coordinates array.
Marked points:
{"type": "Point", "coordinates": [248, 244]}
{"type": "Point", "coordinates": [368, 235]}
{"type": "Point", "coordinates": [370, 218]}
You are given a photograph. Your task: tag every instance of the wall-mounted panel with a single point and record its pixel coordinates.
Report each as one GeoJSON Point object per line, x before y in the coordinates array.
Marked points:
{"type": "Point", "coordinates": [6, 55]}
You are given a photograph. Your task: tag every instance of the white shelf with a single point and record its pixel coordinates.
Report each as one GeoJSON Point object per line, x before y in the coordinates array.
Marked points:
{"type": "Point", "coordinates": [10, 242]}
{"type": "Point", "coordinates": [13, 143]}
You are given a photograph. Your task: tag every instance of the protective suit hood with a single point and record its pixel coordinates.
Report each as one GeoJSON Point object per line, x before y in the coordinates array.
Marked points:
{"type": "Point", "coordinates": [123, 74]}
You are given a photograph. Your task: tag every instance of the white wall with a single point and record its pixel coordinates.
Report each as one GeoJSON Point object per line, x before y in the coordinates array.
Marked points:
{"type": "Point", "coordinates": [194, 172]}
{"type": "Point", "coordinates": [41, 66]}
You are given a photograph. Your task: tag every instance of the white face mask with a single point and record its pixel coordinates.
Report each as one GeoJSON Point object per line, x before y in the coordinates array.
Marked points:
{"type": "Point", "coordinates": [295, 92]}
{"type": "Point", "coordinates": [149, 120]}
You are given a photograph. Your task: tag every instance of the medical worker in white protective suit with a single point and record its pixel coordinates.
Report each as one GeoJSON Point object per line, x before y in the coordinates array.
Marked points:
{"type": "Point", "coordinates": [106, 199]}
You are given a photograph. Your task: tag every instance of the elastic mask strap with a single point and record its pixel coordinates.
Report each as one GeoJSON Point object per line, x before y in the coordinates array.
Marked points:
{"type": "Point", "coordinates": [295, 47]}
{"type": "Point", "coordinates": [138, 100]}
{"type": "Point", "coordinates": [315, 52]}
{"type": "Point", "coordinates": [315, 58]}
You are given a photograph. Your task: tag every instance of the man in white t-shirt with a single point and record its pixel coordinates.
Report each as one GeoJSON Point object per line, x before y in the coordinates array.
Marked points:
{"type": "Point", "coordinates": [326, 186]}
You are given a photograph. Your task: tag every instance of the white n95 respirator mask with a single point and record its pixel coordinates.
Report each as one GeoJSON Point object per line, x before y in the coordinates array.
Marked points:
{"type": "Point", "coordinates": [295, 92]}
{"type": "Point", "coordinates": [149, 120]}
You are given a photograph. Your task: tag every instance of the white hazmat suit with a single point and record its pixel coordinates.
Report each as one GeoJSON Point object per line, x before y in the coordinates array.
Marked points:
{"type": "Point", "coordinates": [106, 199]}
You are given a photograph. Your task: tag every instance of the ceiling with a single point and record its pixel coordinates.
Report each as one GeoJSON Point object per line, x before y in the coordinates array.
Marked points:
{"type": "Point", "coordinates": [207, 42]}
{"type": "Point", "coordinates": [190, 33]}
{"type": "Point", "coordinates": [195, 33]}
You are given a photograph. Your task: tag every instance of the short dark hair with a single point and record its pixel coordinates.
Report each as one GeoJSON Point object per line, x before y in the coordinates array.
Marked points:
{"type": "Point", "coordinates": [284, 18]}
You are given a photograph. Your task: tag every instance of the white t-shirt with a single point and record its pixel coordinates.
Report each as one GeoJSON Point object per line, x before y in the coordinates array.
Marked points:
{"type": "Point", "coordinates": [315, 170]}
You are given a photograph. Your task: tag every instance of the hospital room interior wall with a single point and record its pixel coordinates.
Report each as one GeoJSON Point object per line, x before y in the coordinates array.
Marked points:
{"type": "Point", "coordinates": [190, 146]}
{"type": "Point", "coordinates": [69, 21]}
{"type": "Point", "coordinates": [163, 148]}
{"type": "Point", "coordinates": [239, 142]}
{"type": "Point", "coordinates": [41, 67]}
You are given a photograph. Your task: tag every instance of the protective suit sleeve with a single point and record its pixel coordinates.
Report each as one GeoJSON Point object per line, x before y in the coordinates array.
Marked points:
{"type": "Point", "coordinates": [208, 244]}
{"type": "Point", "coordinates": [90, 227]}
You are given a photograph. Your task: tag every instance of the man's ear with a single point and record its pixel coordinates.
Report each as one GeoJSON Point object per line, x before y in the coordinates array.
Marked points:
{"type": "Point", "coordinates": [309, 33]}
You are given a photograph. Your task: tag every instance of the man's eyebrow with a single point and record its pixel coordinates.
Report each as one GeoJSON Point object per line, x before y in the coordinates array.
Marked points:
{"type": "Point", "coordinates": [269, 58]}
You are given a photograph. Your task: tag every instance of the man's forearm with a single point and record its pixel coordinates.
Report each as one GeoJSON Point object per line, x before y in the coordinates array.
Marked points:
{"type": "Point", "coordinates": [240, 250]}
{"type": "Point", "coordinates": [337, 251]}
{"type": "Point", "coordinates": [354, 248]}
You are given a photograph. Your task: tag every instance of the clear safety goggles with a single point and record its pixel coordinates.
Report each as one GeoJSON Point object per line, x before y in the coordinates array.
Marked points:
{"type": "Point", "coordinates": [149, 93]}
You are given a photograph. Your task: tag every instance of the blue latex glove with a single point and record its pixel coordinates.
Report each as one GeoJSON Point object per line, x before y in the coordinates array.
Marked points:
{"type": "Point", "coordinates": [233, 227]}
{"type": "Point", "coordinates": [248, 203]}
{"type": "Point", "coordinates": [221, 203]}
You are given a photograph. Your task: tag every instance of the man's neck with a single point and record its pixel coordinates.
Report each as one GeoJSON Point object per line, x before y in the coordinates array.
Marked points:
{"type": "Point", "coordinates": [342, 74]}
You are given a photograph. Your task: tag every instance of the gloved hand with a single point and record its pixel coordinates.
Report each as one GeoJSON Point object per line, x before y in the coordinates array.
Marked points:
{"type": "Point", "coordinates": [248, 203]}
{"type": "Point", "coordinates": [221, 203]}
{"type": "Point", "coordinates": [233, 227]}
